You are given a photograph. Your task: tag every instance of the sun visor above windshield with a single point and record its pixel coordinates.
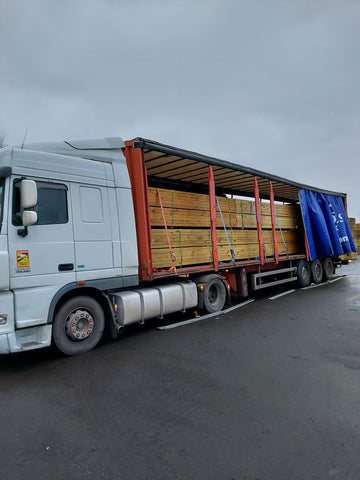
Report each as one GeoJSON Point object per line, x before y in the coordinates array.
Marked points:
{"type": "Point", "coordinates": [97, 143]}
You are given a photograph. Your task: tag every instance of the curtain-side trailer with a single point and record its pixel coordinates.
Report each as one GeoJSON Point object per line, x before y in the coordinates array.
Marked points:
{"type": "Point", "coordinates": [102, 232]}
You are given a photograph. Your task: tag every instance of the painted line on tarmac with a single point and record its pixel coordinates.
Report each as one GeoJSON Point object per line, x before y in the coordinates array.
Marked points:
{"type": "Point", "coordinates": [199, 319]}
{"type": "Point", "coordinates": [337, 278]}
{"type": "Point", "coordinates": [230, 309]}
{"type": "Point", "coordinates": [324, 283]}
{"type": "Point", "coordinates": [281, 295]}
{"type": "Point", "coordinates": [313, 286]}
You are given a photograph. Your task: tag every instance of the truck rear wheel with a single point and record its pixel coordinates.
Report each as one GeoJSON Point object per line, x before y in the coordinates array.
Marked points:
{"type": "Point", "coordinates": [78, 325]}
{"type": "Point", "coordinates": [328, 268]}
{"type": "Point", "coordinates": [317, 271]}
{"type": "Point", "coordinates": [304, 273]}
{"type": "Point", "coordinates": [214, 294]}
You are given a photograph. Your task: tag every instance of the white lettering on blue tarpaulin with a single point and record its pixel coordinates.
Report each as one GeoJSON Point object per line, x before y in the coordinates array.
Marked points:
{"type": "Point", "coordinates": [344, 239]}
{"type": "Point", "coordinates": [337, 219]}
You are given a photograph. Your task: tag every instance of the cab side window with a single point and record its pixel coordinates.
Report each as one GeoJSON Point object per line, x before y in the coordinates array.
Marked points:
{"type": "Point", "coordinates": [51, 207]}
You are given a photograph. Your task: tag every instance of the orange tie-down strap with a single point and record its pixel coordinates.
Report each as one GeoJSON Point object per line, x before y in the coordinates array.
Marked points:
{"type": "Point", "coordinates": [172, 254]}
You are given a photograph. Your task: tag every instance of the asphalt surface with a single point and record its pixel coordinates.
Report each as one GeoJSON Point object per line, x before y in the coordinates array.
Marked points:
{"type": "Point", "coordinates": [267, 391]}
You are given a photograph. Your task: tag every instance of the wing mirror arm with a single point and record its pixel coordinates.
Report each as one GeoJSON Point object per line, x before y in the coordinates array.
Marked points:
{"type": "Point", "coordinates": [23, 232]}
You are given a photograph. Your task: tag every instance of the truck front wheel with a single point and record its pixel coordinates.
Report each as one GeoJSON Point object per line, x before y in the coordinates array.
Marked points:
{"type": "Point", "coordinates": [78, 325]}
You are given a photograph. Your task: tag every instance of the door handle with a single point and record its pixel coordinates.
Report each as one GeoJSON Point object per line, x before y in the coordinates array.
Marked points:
{"type": "Point", "coordinates": [65, 267]}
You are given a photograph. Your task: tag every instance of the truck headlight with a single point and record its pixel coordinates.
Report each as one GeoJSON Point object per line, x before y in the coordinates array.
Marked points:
{"type": "Point", "coordinates": [3, 319]}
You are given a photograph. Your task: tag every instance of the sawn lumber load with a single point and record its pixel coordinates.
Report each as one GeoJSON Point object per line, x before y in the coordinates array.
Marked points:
{"type": "Point", "coordinates": [187, 217]}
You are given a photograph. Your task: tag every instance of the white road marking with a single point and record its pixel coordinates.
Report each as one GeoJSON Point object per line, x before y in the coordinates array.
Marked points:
{"type": "Point", "coordinates": [281, 294]}
{"type": "Point", "coordinates": [199, 319]}
{"type": "Point", "coordinates": [313, 286]}
{"type": "Point", "coordinates": [230, 309]}
{"type": "Point", "coordinates": [324, 283]}
{"type": "Point", "coordinates": [337, 278]}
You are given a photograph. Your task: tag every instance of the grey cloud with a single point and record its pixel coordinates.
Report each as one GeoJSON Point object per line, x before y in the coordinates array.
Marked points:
{"type": "Point", "coordinates": [268, 84]}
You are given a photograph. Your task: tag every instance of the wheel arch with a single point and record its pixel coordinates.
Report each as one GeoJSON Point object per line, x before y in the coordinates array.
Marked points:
{"type": "Point", "coordinates": [73, 290]}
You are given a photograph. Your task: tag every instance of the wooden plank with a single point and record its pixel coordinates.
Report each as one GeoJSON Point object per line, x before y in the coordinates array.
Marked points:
{"type": "Point", "coordinates": [203, 255]}
{"type": "Point", "coordinates": [159, 160]}
{"type": "Point", "coordinates": [154, 155]}
{"type": "Point", "coordinates": [185, 209]}
{"type": "Point", "coordinates": [188, 200]}
{"type": "Point", "coordinates": [177, 199]}
{"type": "Point", "coordinates": [176, 217]}
{"type": "Point", "coordinates": [194, 237]}
{"type": "Point", "coordinates": [192, 246]}
{"type": "Point", "coordinates": [172, 167]}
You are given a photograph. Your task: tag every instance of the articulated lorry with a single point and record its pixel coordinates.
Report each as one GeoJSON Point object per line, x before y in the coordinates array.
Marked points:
{"type": "Point", "coordinates": [100, 234]}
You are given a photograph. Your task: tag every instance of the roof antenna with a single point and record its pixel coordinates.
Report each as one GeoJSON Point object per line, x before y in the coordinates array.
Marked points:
{"type": "Point", "coordinates": [22, 146]}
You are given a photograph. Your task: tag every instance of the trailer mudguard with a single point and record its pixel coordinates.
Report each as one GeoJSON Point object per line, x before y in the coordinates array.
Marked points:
{"type": "Point", "coordinates": [326, 225]}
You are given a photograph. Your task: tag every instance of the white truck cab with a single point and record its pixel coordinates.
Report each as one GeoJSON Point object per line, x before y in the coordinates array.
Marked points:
{"type": "Point", "coordinates": [67, 223]}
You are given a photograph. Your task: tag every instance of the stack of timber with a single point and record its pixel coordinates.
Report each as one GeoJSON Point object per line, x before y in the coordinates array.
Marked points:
{"type": "Point", "coordinates": [187, 217]}
{"type": "Point", "coordinates": [355, 232]}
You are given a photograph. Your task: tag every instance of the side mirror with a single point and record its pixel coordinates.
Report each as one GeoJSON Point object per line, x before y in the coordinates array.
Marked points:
{"type": "Point", "coordinates": [29, 218]}
{"type": "Point", "coordinates": [28, 194]}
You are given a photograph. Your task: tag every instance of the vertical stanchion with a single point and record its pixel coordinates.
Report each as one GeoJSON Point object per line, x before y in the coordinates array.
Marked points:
{"type": "Point", "coordinates": [306, 247]}
{"type": "Point", "coordinates": [273, 221]}
{"type": "Point", "coordinates": [139, 188]}
{"type": "Point", "coordinates": [212, 204]}
{"type": "Point", "coordinates": [258, 219]}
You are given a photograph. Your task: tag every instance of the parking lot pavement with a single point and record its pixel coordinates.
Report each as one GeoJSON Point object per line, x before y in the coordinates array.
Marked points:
{"type": "Point", "coordinates": [267, 391]}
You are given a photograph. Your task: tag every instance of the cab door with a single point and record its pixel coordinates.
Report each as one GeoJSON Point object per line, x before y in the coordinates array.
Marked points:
{"type": "Point", "coordinates": [41, 258]}
{"type": "Point", "coordinates": [96, 233]}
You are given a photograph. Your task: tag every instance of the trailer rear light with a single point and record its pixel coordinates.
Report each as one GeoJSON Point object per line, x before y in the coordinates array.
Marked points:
{"type": "Point", "coordinates": [3, 319]}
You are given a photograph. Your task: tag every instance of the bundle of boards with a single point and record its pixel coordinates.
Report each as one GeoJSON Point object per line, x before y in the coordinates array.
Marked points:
{"type": "Point", "coordinates": [187, 218]}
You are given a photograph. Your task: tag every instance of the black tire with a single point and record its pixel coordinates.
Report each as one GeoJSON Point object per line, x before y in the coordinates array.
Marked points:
{"type": "Point", "coordinates": [328, 267]}
{"type": "Point", "coordinates": [78, 325]}
{"type": "Point", "coordinates": [214, 294]}
{"type": "Point", "coordinates": [317, 271]}
{"type": "Point", "coordinates": [304, 273]}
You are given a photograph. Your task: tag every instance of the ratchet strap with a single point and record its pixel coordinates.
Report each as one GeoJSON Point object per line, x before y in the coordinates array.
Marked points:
{"type": "Point", "coordinates": [282, 236]}
{"type": "Point", "coordinates": [172, 254]}
{"type": "Point", "coordinates": [227, 236]}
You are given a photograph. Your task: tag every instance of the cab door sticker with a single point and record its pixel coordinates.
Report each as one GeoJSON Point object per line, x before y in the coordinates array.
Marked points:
{"type": "Point", "coordinates": [22, 261]}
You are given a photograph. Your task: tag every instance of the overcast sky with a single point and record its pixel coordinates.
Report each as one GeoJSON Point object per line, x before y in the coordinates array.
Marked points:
{"type": "Point", "coordinates": [271, 84]}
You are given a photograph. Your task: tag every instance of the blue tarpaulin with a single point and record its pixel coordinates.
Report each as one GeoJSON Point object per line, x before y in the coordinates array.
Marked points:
{"type": "Point", "coordinates": [326, 225]}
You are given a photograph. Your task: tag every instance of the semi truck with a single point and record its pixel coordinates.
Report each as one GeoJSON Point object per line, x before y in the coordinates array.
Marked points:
{"type": "Point", "coordinates": [100, 234]}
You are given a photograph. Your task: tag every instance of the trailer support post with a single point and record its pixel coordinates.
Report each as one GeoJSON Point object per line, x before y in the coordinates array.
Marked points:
{"type": "Point", "coordinates": [212, 204]}
{"type": "Point", "coordinates": [306, 247]}
{"type": "Point", "coordinates": [273, 221]}
{"type": "Point", "coordinates": [258, 219]}
{"type": "Point", "coordinates": [139, 188]}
